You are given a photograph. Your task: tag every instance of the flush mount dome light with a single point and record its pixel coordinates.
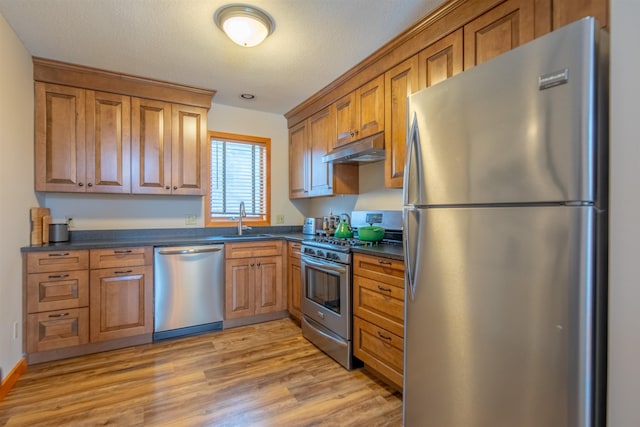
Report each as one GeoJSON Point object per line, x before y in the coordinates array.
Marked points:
{"type": "Point", "coordinates": [245, 25]}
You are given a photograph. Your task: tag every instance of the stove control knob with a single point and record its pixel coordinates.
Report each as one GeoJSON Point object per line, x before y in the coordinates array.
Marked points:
{"type": "Point", "coordinates": [320, 253]}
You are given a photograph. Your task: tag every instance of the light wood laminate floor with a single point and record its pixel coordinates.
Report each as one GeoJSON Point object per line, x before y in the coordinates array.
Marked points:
{"type": "Point", "coordinates": [258, 375]}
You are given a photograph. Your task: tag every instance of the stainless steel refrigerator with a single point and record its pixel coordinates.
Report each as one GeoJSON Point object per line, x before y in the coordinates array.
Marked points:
{"type": "Point", "coordinates": [505, 239]}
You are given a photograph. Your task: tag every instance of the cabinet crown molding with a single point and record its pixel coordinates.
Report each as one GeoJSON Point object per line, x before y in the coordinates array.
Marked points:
{"type": "Point", "coordinates": [62, 73]}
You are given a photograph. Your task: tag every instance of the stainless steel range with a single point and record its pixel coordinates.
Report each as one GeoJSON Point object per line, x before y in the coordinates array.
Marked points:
{"type": "Point", "coordinates": [326, 284]}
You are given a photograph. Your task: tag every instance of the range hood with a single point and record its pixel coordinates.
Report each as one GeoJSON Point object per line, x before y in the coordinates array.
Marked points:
{"type": "Point", "coordinates": [369, 149]}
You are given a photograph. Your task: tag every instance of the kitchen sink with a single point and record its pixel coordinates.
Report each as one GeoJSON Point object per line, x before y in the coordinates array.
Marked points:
{"type": "Point", "coordinates": [245, 236]}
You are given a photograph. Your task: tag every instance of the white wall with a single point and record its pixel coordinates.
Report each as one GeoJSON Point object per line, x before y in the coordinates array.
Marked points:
{"type": "Point", "coordinates": [624, 283]}
{"type": "Point", "coordinates": [16, 191]}
{"type": "Point", "coordinates": [103, 212]}
{"type": "Point", "coordinates": [373, 195]}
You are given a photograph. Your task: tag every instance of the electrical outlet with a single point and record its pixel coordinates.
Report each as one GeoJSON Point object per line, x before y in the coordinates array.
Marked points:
{"type": "Point", "coordinates": [190, 220]}
{"type": "Point", "coordinates": [16, 330]}
{"type": "Point", "coordinates": [279, 219]}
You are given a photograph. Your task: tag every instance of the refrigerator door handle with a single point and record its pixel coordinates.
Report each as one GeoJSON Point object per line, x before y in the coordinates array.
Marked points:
{"type": "Point", "coordinates": [412, 169]}
{"type": "Point", "coordinates": [409, 255]}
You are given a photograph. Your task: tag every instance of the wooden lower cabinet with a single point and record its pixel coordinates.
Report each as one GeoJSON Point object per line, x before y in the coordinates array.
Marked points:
{"type": "Point", "coordinates": [83, 301]}
{"type": "Point", "coordinates": [378, 309]}
{"type": "Point", "coordinates": [57, 329]}
{"type": "Point", "coordinates": [294, 280]}
{"type": "Point", "coordinates": [253, 284]}
{"type": "Point", "coordinates": [56, 300]}
{"type": "Point", "coordinates": [121, 302]}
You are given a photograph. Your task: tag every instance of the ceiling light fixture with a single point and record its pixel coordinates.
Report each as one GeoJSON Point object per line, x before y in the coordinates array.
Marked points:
{"type": "Point", "coordinates": [244, 24]}
{"type": "Point", "coordinates": [247, 96]}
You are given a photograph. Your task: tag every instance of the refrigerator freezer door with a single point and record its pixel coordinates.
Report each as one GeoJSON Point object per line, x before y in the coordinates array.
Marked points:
{"type": "Point", "coordinates": [498, 330]}
{"type": "Point", "coordinates": [520, 128]}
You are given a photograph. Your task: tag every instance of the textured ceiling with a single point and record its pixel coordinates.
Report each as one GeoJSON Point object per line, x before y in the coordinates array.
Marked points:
{"type": "Point", "coordinates": [314, 42]}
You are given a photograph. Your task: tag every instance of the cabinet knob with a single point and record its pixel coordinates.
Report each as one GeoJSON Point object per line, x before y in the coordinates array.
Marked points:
{"type": "Point", "coordinates": [89, 185]}
{"type": "Point", "coordinates": [167, 188]}
{"type": "Point", "coordinates": [80, 184]}
{"type": "Point", "coordinates": [175, 187]}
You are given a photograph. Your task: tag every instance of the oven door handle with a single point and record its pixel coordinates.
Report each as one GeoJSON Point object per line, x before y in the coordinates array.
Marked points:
{"type": "Point", "coordinates": [326, 265]}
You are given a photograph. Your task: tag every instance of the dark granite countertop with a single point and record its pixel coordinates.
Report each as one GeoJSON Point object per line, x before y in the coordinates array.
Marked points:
{"type": "Point", "coordinates": [388, 251]}
{"type": "Point", "coordinates": [190, 236]}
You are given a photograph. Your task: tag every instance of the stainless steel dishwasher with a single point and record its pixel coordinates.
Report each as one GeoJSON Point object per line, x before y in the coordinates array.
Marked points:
{"type": "Point", "coordinates": [189, 290]}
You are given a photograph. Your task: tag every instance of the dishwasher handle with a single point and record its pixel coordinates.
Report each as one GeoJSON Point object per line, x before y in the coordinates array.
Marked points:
{"type": "Point", "coordinates": [189, 251]}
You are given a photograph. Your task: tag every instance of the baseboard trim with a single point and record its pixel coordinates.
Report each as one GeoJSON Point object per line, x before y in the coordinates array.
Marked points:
{"type": "Point", "coordinates": [12, 378]}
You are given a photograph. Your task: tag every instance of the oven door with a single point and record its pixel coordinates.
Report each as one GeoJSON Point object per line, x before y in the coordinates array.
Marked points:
{"type": "Point", "coordinates": [326, 294]}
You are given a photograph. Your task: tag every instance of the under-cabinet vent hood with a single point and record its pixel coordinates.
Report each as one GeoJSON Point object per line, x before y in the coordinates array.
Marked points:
{"type": "Point", "coordinates": [369, 149]}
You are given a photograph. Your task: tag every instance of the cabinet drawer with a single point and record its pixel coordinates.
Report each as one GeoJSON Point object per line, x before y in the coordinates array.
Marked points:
{"type": "Point", "coordinates": [379, 349]}
{"type": "Point", "coordinates": [57, 290]}
{"type": "Point", "coordinates": [379, 303]}
{"type": "Point", "coordinates": [121, 257]}
{"type": "Point", "coordinates": [386, 270]}
{"type": "Point", "coordinates": [294, 249]}
{"type": "Point", "coordinates": [57, 329]}
{"type": "Point", "coordinates": [253, 249]}
{"type": "Point", "coordinates": [44, 262]}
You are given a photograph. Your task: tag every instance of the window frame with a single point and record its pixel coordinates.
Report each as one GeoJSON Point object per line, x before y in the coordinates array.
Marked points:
{"type": "Point", "coordinates": [263, 220]}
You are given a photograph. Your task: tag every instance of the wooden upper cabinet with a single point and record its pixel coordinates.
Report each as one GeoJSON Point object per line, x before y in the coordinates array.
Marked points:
{"type": "Point", "coordinates": [60, 160]}
{"type": "Point", "coordinates": [400, 82]}
{"type": "Point", "coordinates": [150, 146]}
{"type": "Point", "coordinates": [83, 140]}
{"type": "Point", "coordinates": [567, 11]}
{"type": "Point", "coordinates": [309, 176]}
{"type": "Point", "coordinates": [360, 113]}
{"type": "Point", "coordinates": [435, 63]}
{"type": "Point", "coordinates": [322, 136]}
{"type": "Point", "coordinates": [441, 60]}
{"type": "Point", "coordinates": [298, 158]}
{"type": "Point", "coordinates": [108, 130]}
{"type": "Point", "coordinates": [497, 31]}
{"type": "Point", "coordinates": [189, 150]}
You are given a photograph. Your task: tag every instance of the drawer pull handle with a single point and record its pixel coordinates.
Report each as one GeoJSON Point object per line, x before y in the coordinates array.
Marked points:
{"type": "Point", "coordinates": [59, 315]}
{"type": "Point", "coordinates": [382, 261]}
{"type": "Point", "coordinates": [127, 251]}
{"type": "Point", "coordinates": [383, 289]}
{"type": "Point", "coordinates": [123, 272]}
{"type": "Point", "coordinates": [58, 276]}
{"type": "Point", "coordinates": [383, 336]}
{"type": "Point", "coordinates": [60, 254]}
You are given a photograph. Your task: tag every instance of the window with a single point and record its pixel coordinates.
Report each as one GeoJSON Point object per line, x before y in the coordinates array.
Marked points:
{"type": "Point", "coordinates": [239, 169]}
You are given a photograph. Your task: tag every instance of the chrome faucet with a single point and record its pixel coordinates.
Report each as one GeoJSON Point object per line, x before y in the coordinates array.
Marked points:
{"type": "Point", "coordinates": [243, 213]}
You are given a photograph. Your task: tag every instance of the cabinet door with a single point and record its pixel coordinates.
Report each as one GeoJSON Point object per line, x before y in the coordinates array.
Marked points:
{"type": "Point", "coordinates": [440, 60]}
{"type": "Point", "coordinates": [268, 284]}
{"type": "Point", "coordinates": [60, 138]}
{"type": "Point", "coordinates": [150, 146]}
{"type": "Point", "coordinates": [189, 150]}
{"type": "Point", "coordinates": [298, 161]}
{"type": "Point", "coordinates": [400, 82]}
{"type": "Point", "coordinates": [294, 280]}
{"type": "Point", "coordinates": [567, 11]}
{"type": "Point", "coordinates": [499, 30]}
{"type": "Point", "coordinates": [370, 108]}
{"type": "Point", "coordinates": [346, 119]}
{"type": "Point", "coordinates": [108, 138]}
{"type": "Point", "coordinates": [322, 134]}
{"type": "Point", "coordinates": [239, 288]}
{"type": "Point", "coordinates": [121, 302]}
